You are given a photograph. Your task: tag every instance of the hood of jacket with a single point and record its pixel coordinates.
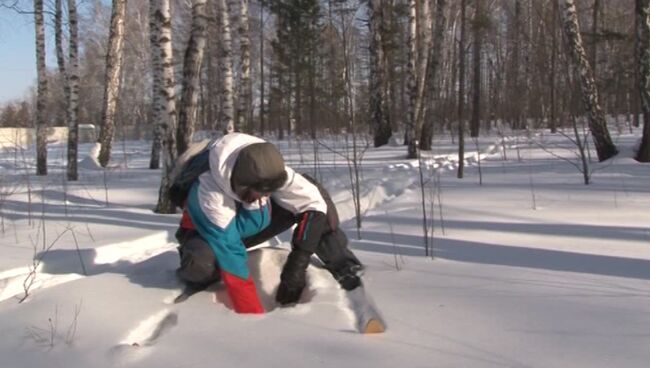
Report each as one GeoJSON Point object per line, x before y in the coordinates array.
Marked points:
{"type": "Point", "coordinates": [240, 159]}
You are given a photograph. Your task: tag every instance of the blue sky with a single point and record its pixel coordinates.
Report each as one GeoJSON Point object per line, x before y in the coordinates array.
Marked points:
{"type": "Point", "coordinates": [17, 60]}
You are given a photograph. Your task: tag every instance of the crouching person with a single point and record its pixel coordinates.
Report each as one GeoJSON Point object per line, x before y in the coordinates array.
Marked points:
{"type": "Point", "coordinates": [315, 233]}
{"type": "Point", "coordinates": [245, 196]}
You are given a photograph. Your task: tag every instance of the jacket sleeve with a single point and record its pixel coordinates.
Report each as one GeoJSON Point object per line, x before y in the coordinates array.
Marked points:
{"type": "Point", "coordinates": [310, 228]}
{"type": "Point", "coordinates": [225, 242]}
{"type": "Point", "coordinates": [298, 195]}
{"type": "Point", "coordinates": [242, 293]}
{"type": "Point", "coordinates": [305, 201]}
{"type": "Point", "coordinates": [214, 218]}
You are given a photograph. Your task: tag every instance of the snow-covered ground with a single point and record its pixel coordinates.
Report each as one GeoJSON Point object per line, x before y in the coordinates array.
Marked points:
{"type": "Point", "coordinates": [530, 269]}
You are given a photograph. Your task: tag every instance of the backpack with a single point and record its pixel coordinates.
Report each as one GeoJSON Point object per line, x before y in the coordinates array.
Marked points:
{"type": "Point", "coordinates": [187, 169]}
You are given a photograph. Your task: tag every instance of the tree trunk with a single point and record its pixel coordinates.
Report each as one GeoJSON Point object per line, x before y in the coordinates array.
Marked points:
{"type": "Point", "coordinates": [553, 103]}
{"type": "Point", "coordinates": [168, 97]}
{"type": "Point", "coordinates": [476, 97]}
{"type": "Point", "coordinates": [605, 148]}
{"type": "Point", "coordinates": [311, 76]}
{"type": "Point", "coordinates": [593, 57]}
{"type": "Point", "coordinates": [192, 77]}
{"type": "Point", "coordinates": [388, 27]}
{"type": "Point", "coordinates": [516, 92]}
{"type": "Point", "coordinates": [636, 100]}
{"type": "Point", "coordinates": [643, 55]}
{"type": "Point", "coordinates": [461, 92]}
{"type": "Point", "coordinates": [157, 103]}
{"type": "Point", "coordinates": [244, 102]}
{"type": "Point", "coordinates": [60, 58]}
{"type": "Point", "coordinates": [41, 94]}
{"type": "Point", "coordinates": [112, 80]}
{"type": "Point", "coordinates": [527, 48]}
{"type": "Point", "coordinates": [433, 62]}
{"type": "Point", "coordinates": [73, 91]}
{"type": "Point", "coordinates": [226, 119]}
{"type": "Point", "coordinates": [296, 120]}
{"type": "Point", "coordinates": [211, 74]}
{"type": "Point", "coordinates": [379, 119]}
{"type": "Point", "coordinates": [262, 112]}
{"type": "Point", "coordinates": [411, 81]}
{"type": "Point", "coordinates": [278, 103]}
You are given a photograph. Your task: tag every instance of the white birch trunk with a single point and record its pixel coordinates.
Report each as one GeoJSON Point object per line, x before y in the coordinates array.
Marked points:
{"type": "Point", "coordinates": [262, 81]}
{"type": "Point", "coordinates": [41, 76]}
{"type": "Point", "coordinates": [192, 76]}
{"type": "Point", "coordinates": [114, 58]}
{"type": "Point", "coordinates": [432, 65]}
{"type": "Point", "coordinates": [168, 96]}
{"type": "Point", "coordinates": [411, 79]}
{"type": "Point", "coordinates": [157, 102]}
{"type": "Point", "coordinates": [73, 90]}
{"type": "Point", "coordinates": [605, 148]}
{"type": "Point", "coordinates": [60, 58]}
{"type": "Point", "coordinates": [168, 85]}
{"type": "Point", "coordinates": [239, 8]}
{"type": "Point", "coordinates": [226, 119]}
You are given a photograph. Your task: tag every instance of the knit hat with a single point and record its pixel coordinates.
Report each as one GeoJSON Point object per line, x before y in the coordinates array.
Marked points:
{"type": "Point", "coordinates": [260, 167]}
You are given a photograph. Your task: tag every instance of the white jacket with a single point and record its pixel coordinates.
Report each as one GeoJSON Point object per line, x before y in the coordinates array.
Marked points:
{"type": "Point", "coordinates": [219, 202]}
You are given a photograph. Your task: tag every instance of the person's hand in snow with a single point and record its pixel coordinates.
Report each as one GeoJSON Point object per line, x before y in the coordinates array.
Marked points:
{"type": "Point", "coordinates": [293, 277]}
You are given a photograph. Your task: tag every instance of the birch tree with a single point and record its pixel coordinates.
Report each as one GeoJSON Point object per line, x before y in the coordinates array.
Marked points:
{"type": "Point", "coordinates": [226, 118]}
{"type": "Point", "coordinates": [211, 102]}
{"type": "Point", "coordinates": [41, 91]}
{"type": "Point", "coordinates": [593, 56]}
{"type": "Point", "coordinates": [167, 76]}
{"type": "Point", "coordinates": [390, 30]}
{"type": "Point", "coordinates": [432, 66]}
{"type": "Point", "coordinates": [72, 82]}
{"type": "Point", "coordinates": [422, 36]}
{"type": "Point", "coordinates": [605, 148]}
{"type": "Point", "coordinates": [168, 98]}
{"type": "Point", "coordinates": [244, 94]}
{"type": "Point", "coordinates": [262, 80]}
{"type": "Point", "coordinates": [65, 84]}
{"type": "Point", "coordinates": [112, 80]}
{"type": "Point", "coordinates": [643, 55]}
{"type": "Point", "coordinates": [157, 101]}
{"type": "Point", "coordinates": [60, 58]}
{"type": "Point", "coordinates": [192, 76]}
{"type": "Point", "coordinates": [411, 77]}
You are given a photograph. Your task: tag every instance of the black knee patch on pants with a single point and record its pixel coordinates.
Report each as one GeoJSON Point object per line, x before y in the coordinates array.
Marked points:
{"type": "Point", "coordinates": [337, 258]}
{"type": "Point", "coordinates": [198, 263]}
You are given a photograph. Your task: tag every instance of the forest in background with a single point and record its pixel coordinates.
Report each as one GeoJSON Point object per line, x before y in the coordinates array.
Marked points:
{"type": "Point", "coordinates": [519, 41]}
{"type": "Point", "coordinates": [163, 69]}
